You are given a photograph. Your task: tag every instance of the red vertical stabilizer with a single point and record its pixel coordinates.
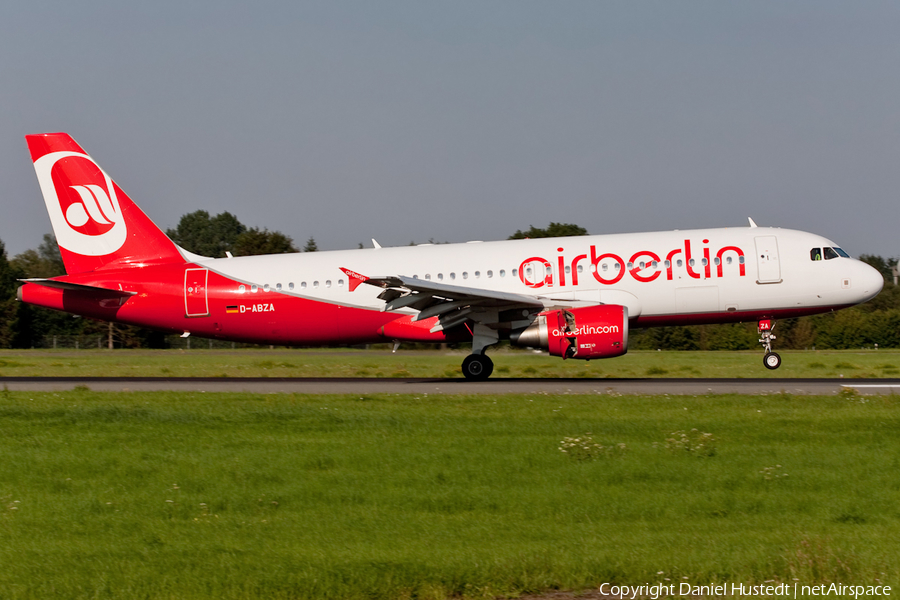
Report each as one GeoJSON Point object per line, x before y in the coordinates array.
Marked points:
{"type": "Point", "coordinates": [96, 224]}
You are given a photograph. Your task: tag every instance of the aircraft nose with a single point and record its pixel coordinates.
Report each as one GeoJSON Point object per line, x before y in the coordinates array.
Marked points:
{"type": "Point", "coordinates": [868, 281]}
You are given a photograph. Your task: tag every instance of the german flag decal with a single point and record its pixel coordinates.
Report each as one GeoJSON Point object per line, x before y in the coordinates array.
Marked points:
{"type": "Point", "coordinates": [231, 309]}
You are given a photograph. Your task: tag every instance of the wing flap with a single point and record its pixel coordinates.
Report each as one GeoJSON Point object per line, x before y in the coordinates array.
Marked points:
{"type": "Point", "coordinates": [480, 296]}
{"type": "Point", "coordinates": [453, 305]}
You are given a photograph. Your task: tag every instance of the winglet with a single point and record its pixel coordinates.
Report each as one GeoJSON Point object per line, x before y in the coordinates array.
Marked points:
{"type": "Point", "coordinates": [354, 278]}
{"type": "Point", "coordinates": [752, 222]}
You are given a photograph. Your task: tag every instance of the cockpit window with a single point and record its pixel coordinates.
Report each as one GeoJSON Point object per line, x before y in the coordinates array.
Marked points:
{"type": "Point", "coordinates": [829, 253]}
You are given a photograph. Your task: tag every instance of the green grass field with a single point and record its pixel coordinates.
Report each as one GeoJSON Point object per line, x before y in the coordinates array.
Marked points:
{"type": "Point", "coordinates": [175, 495]}
{"type": "Point", "coordinates": [434, 363]}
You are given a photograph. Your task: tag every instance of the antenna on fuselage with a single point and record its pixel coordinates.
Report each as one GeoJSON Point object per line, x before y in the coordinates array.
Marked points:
{"type": "Point", "coordinates": [752, 222]}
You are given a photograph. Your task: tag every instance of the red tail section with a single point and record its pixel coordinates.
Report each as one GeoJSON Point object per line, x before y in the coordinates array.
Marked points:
{"type": "Point", "coordinates": [96, 224]}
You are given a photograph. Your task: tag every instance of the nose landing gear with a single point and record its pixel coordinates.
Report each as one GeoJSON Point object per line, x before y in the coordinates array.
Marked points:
{"type": "Point", "coordinates": [771, 360]}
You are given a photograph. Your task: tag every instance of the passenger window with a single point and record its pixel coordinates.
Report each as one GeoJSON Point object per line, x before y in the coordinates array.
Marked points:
{"type": "Point", "coordinates": [452, 275]}
{"type": "Point", "coordinates": [741, 260]}
{"type": "Point", "coordinates": [815, 254]}
{"type": "Point", "coordinates": [679, 262]}
{"type": "Point", "coordinates": [440, 276]}
{"type": "Point", "coordinates": [278, 287]}
{"type": "Point", "coordinates": [242, 289]}
{"type": "Point", "coordinates": [515, 272]}
{"type": "Point", "coordinates": [490, 274]}
{"type": "Point", "coordinates": [328, 283]}
{"type": "Point", "coordinates": [830, 253]}
{"type": "Point", "coordinates": [315, 284]}
{"type": "Point", "coordinates": [477, 274]}
{"type": "Point", "coordinates": [303, 285]}
{"type": "Point", "coordinates": [340, 283]}
{"type": "Point", "coordinates": [253, 288]}
{"type": "Point", "coordinates": [291, 285]}
{"type": "Point", "coordinates": [465, 275]}
{"type": "Point", "coordinates": [502, 272]}
{"type": "Point", "coordinates": [427, 277]}
{"type": "Point", "coordinates": [580, 269]}
{"type": "Point", "coordinates": [727, 260]}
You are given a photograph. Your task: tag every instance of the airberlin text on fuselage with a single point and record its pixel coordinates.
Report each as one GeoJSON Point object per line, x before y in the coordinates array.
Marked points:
{"type": "Point", "coordinates": [643, 266]}
{"type": "Point", "coordinates": [587, 330]}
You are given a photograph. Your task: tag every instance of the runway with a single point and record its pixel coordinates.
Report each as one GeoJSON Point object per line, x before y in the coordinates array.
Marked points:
{"type": "Point", "coordinates": [274, 385]}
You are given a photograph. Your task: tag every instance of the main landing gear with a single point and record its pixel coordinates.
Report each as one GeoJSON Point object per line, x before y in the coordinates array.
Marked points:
{"type": "Point", "coordinates": [771, 360]}
{"type": "Point", "coordinates": [477, 366]}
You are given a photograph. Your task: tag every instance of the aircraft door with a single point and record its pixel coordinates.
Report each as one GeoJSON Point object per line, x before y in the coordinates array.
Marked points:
{"type": "Point", "coordinates": [768, 266]}
{"type": "Point", "coordinates": [196, 303]}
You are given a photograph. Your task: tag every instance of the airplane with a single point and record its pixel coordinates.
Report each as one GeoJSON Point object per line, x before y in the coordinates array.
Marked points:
{"type": "Point", "coordinates": [574, 297]}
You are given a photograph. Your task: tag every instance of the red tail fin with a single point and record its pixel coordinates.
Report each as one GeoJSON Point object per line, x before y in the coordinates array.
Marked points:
{"type": "Point", "coordinates": [95, 222]}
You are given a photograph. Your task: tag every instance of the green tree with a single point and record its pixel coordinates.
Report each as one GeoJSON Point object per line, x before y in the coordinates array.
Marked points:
{"type": "Point", "coordinates": [310, 245]}
{"type": "Point", "coordinates": [201, 234]}
{"type": "Point", "coordinates": [665, 338]}
{"type": "Point", "coordinates": [254, 242]}
{"type": "Point", "coordinates": [33, 322]}
{"type": "Point", "coordinates": [552, 230]}
{"type": "Point", "coordinates": [731, 336]}
{"type": "Point", "coordinates": [11, 321]}
{"type": "Point", "coordinates": [44, 261]}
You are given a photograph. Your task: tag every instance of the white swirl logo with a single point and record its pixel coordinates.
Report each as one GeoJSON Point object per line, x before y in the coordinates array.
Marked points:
{"type": "Point", "coordinates": [95, 205]}
{"type": "Point", "coordinates": [82, 203]}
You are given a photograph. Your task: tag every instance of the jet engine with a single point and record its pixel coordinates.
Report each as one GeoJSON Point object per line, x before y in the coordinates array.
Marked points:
{"type": "Point", "coordinates": [585, 333]}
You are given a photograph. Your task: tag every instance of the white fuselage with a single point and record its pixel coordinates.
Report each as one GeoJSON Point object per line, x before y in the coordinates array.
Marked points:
{"type": "Point", "coordinates": [702, 273]}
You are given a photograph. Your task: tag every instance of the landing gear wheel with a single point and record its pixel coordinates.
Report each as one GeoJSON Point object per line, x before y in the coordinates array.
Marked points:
{"type": "Point", "coordinates": [477, 367]}
{"type": "Point", "coordinates": [772, 360]}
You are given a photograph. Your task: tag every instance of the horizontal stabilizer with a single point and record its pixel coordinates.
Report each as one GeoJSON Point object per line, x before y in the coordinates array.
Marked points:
{"type": "Point", "coordinates": [65, 285]}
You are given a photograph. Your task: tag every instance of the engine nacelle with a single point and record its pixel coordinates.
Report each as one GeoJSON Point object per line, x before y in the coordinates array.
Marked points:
{"type": "Point", "coordinates": [591, 332]}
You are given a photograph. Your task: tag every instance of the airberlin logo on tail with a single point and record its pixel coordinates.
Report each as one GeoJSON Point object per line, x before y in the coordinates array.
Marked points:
{"type": "Point", "coordinates": [93, 207]}
{"type": "Point", "coordinates": [82, 203]}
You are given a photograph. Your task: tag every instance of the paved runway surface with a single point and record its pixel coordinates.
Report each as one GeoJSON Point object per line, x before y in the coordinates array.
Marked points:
{"type": "Point", "coordinates": [456, 386]}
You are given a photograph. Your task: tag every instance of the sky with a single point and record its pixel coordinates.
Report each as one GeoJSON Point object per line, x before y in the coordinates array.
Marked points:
{"type": "Point", "coordinates": [465, 120]}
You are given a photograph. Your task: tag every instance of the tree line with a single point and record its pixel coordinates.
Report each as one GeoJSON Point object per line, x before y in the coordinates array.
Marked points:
{"type": "Point", "coordinates": [25, 326]}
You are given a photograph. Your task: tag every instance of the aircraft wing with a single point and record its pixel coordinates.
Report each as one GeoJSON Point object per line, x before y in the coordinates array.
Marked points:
{"type": "Point", "coordinates": [452, 304]}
